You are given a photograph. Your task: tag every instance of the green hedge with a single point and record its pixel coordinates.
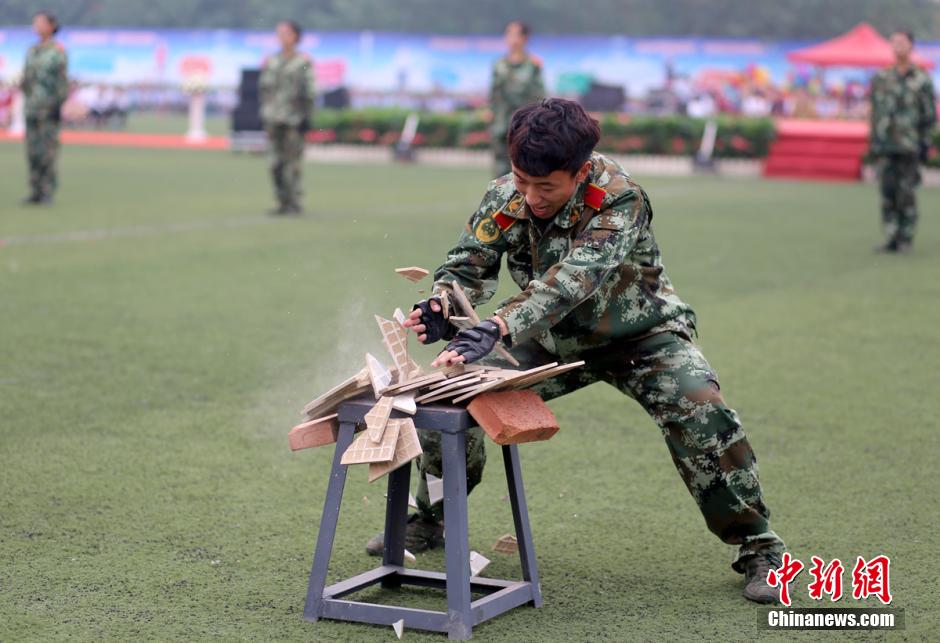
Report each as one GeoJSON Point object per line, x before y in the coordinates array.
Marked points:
{"type": "Point", "coordinates": [621, 133]}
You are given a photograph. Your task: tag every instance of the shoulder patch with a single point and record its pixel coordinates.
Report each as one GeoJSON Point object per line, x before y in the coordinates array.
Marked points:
{"type": "Point", "coordinates": [594, 196]}
{"type": "Point", "coordinates": [487, 230]}
{"type": "Point", "coordinates": [515, 204]}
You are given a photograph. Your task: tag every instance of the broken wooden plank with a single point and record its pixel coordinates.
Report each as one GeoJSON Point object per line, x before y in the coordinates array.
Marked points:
{"type": "Point", "coordinates": [314, 433]}
{"type": "Point", "coordinates": [407, 449]}
{"type": "Point", "coordinates": [363, 450]}
{"type": "Point", "coordinates": [377, 418]}
{"type": "Point", "coordinates": [413, 274]}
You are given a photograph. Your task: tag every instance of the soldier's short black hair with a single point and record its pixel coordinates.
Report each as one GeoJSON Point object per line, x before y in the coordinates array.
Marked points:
{"type": "Point", "coordinates": [553, 134]}
{"type": "Point", "coordinates": [295, 27]}
{"type": "Point", "coordinates": [523, 27]}
{"type": "Point", "coordinates": [50, 18]}
{"type": "Point", "coordinates": [907, 33]}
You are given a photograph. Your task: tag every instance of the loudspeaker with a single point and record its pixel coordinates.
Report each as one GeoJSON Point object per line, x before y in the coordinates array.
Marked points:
{"type": "Point", "coordinates": [336, 99]}
{"type": "Point", "coordinates": [247, 114]}
{"type": "Point", "coordinates": [603, 98]}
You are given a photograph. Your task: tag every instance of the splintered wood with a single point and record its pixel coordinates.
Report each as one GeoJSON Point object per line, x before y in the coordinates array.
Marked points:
{"type": "Point", "coordinates": [395, 338]}
{"type": "Point", "coordinates": [377, 418]}
{"type": "Point", "coordinates": [407, 448]}
{"type": "Point", "coordinates": [464, 303]}
{"type": "Point", "coordinates": [364, 450]}
{"type": "Point", "coordinates": [390, 442]}
{"type": "Point", "coordinates": [412, 273]}
{"type": "Point", "coordinates": [506, 544]}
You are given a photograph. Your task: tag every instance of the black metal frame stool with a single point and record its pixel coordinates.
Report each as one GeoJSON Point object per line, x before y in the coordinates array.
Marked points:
{"type": "Point", "coordinates": [462, 613]}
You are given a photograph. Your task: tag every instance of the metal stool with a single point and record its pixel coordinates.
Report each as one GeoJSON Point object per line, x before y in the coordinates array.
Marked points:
{"type": "Point", "coordinates": [462, 613]}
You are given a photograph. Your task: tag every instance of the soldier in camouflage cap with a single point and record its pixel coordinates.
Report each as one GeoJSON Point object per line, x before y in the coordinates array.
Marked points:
{"type": "Point", "coordinates": [517, 81]}
{"type": "Point", "coordinates": [45, 88]}
{"type": "Point", "coordinates": [903, 115]}
{"type": "Point", "coordinates": [287, 94]}
{"type": "Point", "coordinates": [576, 233]}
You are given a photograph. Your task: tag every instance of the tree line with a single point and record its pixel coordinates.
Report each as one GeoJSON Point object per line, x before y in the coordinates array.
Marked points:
{"type": "Point", "coordinates": [771, 19]}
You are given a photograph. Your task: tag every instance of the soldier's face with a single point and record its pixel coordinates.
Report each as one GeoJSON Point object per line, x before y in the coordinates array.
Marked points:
{"type": "Point", "coordinates": [901, 45]}
{"type": "Point", "coordinates": [515, 39]}
{"type": "Point", "coordinates": [546, 195]}
{"type": "Point", "coordinates": [42, 26]}
{"type": "Point", "coordinates": [286, 35]}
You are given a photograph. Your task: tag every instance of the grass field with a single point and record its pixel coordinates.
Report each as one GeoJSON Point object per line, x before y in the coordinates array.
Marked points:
{"type": "Point", "coordinates": [151, 122]}
{"type": "Point", "coordinates": [159, 336]}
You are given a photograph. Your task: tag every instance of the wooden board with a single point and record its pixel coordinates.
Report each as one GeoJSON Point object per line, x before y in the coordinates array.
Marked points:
{"type": "Point", "coordinates": [407, 449]}
{"type": "Point", "coordinates": [363, 450]}
{"type": "Point", "coordinates": [377, 418]}
{"type": "Point", "coordinates": [314, 433]}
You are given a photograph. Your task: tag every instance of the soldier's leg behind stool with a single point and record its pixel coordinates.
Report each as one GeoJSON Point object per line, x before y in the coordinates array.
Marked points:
{"type": "Point", "coordinates": [671, 379]}
{"type": "Point", "coordinates": [530, 354]}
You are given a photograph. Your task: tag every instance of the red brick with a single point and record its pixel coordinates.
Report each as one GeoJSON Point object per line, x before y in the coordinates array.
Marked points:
{"type": "Point", "coordinates": [314, 433]}
{"type": "Point", "coordinates": [514, 417]}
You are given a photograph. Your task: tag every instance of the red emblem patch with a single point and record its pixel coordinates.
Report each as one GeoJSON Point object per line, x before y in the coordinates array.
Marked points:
{"type": "Point", "coordinates": [594, 196]}
{"type": "Point", "coordinates": [504, 221]}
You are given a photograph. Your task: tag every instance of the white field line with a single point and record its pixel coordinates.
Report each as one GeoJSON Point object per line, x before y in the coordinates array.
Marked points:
{"type": "Point", "coordinates": [133, 232]}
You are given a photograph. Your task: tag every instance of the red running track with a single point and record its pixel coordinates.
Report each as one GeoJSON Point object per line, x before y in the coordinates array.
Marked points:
{"type": "Point", "coordinates": [129, 139]}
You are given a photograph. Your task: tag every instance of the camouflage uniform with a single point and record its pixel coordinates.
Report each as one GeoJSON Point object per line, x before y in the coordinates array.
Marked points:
{"type": "Point", "coordinates": [594, 288]}
{"type": "Point", "coordinates": [514, 85]}
{"type": "Point", "coordinates": [903, 114]}
{"type": "Point", "coordinates": [287, 94]}
{"type": "Point", "coordinates": [45, 88]}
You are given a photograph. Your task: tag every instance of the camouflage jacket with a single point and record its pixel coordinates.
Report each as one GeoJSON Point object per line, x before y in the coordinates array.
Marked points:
{"type": "Point", "coordinates": [513, 85]}
{"type": "Point", "coordinates": [45, 80]}
{"type": "Point", "coordinates": [903, 111]}
{"type": "Point", "coordinates": [287, 92]}
{"type": "Point", "coordinates": [589, 276]}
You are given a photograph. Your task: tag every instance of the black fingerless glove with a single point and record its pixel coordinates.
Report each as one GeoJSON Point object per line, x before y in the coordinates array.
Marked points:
{"type": "Point", "coordinates": [436, 327]}
{"type": "Point", "coordinates": [475, 343]}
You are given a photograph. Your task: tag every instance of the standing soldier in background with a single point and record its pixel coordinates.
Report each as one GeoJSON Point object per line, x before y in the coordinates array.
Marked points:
{"type": "Point", "coordinates": [903, 114]}
{"type": "Point", "coordinates": [286, 84]}
{"type": "Point", "coordinates": [517, 81]}
{"type": "Point", "coordinates": [45, 88]}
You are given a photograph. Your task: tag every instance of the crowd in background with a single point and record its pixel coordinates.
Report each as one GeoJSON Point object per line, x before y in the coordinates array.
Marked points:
{"type": "Point", "coordinates": [104, 106]}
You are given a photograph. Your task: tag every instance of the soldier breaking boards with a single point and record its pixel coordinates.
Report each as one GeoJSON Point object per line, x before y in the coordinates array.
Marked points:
{"type": "Point", "coordinates": [577, 236]}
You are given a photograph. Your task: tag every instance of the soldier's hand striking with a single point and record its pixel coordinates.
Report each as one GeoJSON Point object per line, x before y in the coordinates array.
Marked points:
{"type": "Point", "coordinates": [470, 345]}
{"type": "Point", "coordinates": [427, 321]}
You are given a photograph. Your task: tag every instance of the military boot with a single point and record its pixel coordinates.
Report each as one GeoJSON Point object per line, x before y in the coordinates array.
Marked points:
{"type": "Point", "coordinates": [888, 247]}
{"type": "Point", "coordinates": [755, 577]}
{"type": "Point", "coordinates": [420, 535]}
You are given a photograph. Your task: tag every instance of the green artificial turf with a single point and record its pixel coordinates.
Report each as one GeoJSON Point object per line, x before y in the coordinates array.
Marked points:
{"type": "Point", "coordinates": [159, 336]}
{"type": "Point", "coordinates": [154, 122]}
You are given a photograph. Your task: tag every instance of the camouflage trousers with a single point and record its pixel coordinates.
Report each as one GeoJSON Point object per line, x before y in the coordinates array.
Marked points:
{"type": "Point", "coordinates": [287, 151]}
{"type": "Point", "coordinates": [899, 177]}
{"type": "Point", "coordinates": [42, 153]}
{"type": "Point", "coordinates": [501, 163]}
{"type": "Point", "coordinates": [668, 375]}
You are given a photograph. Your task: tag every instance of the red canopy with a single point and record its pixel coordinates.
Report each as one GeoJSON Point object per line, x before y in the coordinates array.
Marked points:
{"type": "Point", "coordinates": [860, 47]}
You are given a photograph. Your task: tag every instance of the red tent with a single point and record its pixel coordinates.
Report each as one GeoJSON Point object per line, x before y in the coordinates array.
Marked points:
{"type": "Point", "coordinates": [860, 47]}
